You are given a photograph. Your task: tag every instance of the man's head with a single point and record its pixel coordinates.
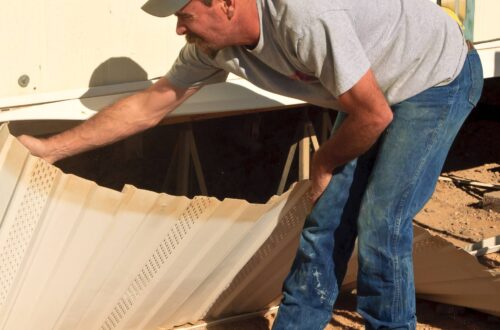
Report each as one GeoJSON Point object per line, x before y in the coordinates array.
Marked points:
{"type": "Point", "coordinates": [214, 24]}
{"type": "Point", "coordinates": [206, 23]}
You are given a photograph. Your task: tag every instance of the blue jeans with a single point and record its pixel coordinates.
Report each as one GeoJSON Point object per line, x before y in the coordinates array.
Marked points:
{"type": "Point", "coordinates": [375, 198]}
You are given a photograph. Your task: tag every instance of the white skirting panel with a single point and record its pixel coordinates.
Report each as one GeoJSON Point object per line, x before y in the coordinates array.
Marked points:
{"type": "Point", "coordinates": [74, 255]}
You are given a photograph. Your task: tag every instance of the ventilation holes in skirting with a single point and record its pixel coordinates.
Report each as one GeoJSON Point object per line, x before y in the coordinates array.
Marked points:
{"type": "Point", "coordinates": [284, 228]}
{"type": "Point", "coordinates": [156, 261]}
{"type": "Point", "coordinates": [25, 222]}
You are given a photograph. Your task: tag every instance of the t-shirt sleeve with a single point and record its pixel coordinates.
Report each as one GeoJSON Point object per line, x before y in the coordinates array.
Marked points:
{"type": "Point", "coordinates": [330, 48]}
{"type": "Point", "coordinates": [194, 68]}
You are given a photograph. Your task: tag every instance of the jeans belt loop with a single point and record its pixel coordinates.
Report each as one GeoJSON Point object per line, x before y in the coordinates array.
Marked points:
{"type": "Point", "coordinates": [470, 45]}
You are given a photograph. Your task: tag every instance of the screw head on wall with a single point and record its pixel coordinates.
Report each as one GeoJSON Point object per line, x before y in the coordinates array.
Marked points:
{"type": "Point", "coordinates": [24, 80]}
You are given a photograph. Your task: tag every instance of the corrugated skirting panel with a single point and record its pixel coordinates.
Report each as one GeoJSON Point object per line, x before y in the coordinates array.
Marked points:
{"type": "Point", "coordinates": [74, 255]}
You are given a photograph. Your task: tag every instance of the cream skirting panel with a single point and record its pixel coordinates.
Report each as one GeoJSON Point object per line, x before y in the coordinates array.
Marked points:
{"type": "Point", "coordinates": [74, 255]}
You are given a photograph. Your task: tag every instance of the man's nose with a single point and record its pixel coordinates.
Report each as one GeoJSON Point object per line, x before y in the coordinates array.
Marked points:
{"type": "Point", "coordinates": [180, 29]}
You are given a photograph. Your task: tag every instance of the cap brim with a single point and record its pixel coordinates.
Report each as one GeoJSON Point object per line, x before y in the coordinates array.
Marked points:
{"type": "Point", "coordinates": [163, 8]}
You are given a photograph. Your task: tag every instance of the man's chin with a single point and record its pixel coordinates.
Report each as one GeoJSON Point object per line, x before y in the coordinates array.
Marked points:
{"type": "Point", "coordinates": [204, 47]}
{"type": "Point", "coordinates": [211, 52]}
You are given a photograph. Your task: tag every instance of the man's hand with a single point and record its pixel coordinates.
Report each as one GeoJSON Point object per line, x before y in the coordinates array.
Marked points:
{"type": "Point", "coordinates": [320, 176]}
{"type": "Point", "coordinates": [37, 147]}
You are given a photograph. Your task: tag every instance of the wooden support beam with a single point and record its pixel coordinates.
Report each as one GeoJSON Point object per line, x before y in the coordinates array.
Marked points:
{"type": "Point", "coordinates": [184, 164]}
{"type": "Point", "coordinates": [304, 153]}
{"type": "Point", "coordinates": [305, 137]}
{"type": "Point", "coordinates": [184, 151]}
{"type": "Point", "coordinates": [171, 166]}
{"type": "Point", "coordinates": [326, 125]}
{"type": "Point", "coordinates": [286, 169]}
{"type": "Point", "coordinates": [196, 162]}
{"type": "Point", "coordinates": [312, 135]}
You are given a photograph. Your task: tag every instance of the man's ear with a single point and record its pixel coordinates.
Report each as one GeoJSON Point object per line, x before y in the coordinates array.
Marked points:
{"type": "Point", "coordinates": [228, 6]}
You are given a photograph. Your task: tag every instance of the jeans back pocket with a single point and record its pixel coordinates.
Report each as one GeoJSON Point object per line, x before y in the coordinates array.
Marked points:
{"type": "Point", "coordinates": [476, 76]}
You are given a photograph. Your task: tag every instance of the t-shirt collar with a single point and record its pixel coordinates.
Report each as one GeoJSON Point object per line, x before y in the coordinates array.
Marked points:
{"type": "Point", "coordinates": [260, 44]}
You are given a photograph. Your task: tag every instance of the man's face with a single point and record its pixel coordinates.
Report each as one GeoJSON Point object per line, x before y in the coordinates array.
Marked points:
{"type": "Point", "coordinates": [203, 25]}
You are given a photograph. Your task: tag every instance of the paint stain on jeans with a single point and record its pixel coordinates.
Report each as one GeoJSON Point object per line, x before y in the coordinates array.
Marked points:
{"type": "Point", "coordinates": [319, 291]}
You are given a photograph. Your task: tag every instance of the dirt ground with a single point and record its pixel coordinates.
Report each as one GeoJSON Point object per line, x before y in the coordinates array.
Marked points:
{"type": "Point", "coordinates": [241, 162]}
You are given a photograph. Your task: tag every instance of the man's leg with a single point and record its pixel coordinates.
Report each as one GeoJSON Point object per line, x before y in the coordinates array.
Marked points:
{"type": "Point", "coordinates": [312, 286]}
{"type": "Point", "coordinates": [411, 155]}
{"type": "Point", "coordinates": [326, 244]}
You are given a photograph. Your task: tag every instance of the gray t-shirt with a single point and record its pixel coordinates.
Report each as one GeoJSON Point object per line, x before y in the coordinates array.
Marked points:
{"type": "Point", "coordinates": [315, 51]}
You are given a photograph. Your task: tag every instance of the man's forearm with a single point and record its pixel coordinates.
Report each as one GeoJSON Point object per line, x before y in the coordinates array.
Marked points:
{"type": "Point", "coordinates": [368, 116]}
{"type": "Point", "coordinates": [111, 124]}
{"type": "Point", "coordinates": [353, 138]}
{"type": "Point", "coordinates": [126, 117]}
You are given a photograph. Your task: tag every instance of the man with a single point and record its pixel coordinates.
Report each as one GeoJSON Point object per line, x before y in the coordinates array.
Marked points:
{"type": "Point", "coordinates": [405, 80]}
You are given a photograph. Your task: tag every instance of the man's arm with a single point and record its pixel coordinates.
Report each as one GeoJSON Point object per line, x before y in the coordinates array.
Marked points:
{"type": "Point", "coordinates": [126, 117]}
{"type": "Point", "coordinates": [368, 116]}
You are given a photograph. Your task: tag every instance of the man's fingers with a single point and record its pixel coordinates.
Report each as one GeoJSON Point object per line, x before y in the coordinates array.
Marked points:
{"type": "Point", "coordinates": [315, 193]}
{"type": "Point", "coordinates": [35, 146]}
